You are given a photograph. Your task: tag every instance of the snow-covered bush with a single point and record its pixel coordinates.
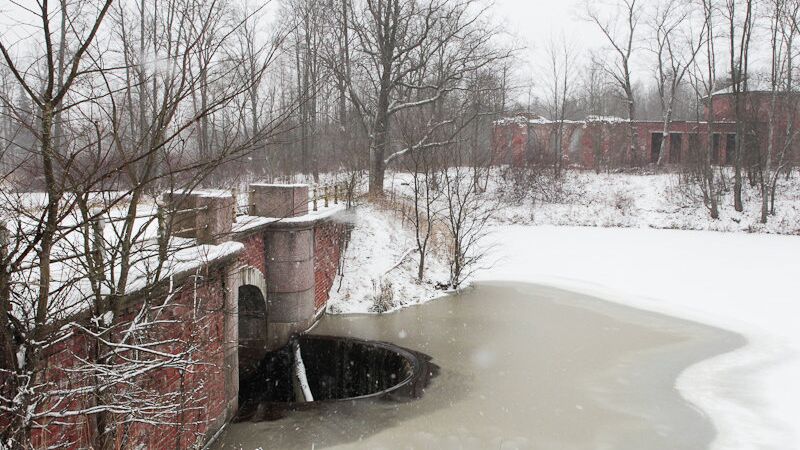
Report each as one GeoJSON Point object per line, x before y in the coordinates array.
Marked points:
{"type": "Point", "coordinates": [383, 295]}
{"type": "Point", "coordinates": [623, 202]}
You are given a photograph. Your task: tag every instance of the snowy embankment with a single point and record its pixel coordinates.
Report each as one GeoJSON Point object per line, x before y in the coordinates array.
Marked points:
{"type": "Point", "coordinates": [582, 198]}
{"type": "Point", "coordinates": [380, 266]}
{"type": "Point", "coordinates": [746, 283]}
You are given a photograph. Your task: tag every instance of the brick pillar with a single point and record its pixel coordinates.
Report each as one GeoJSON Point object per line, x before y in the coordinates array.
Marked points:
{"type": "Point", "coordinates": [290, 281]}
{"type": "Point", "coordinates": [289, 248]}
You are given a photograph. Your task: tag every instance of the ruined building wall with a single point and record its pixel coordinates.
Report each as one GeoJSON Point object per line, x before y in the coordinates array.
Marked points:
{"type": "Point", "coordinates": [602, 144]}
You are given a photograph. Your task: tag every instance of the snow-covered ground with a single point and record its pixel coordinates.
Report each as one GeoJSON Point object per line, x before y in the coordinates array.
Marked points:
{"type": "Point", "coordinates": [584, 198]}
{"type": "Point", "coordinates": [747, 283]}
{"type": "Point", "coordinates": [380, 266]}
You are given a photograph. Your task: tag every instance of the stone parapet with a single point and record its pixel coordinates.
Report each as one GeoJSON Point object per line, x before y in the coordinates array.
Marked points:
{"type": "Point", "coordinates": [278, 200]}
{"type": "Point", "coordinates": [207, 216]}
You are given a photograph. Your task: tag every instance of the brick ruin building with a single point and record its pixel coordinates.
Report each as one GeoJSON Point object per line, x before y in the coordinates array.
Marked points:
{"type": "Point", "coordinates": [604, 142]}
{"type": "Point", "coordinates": [263, 277]}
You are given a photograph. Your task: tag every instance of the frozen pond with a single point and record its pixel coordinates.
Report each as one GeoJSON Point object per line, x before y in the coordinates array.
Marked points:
{"type": "Point", "coordinates": [522, 366]}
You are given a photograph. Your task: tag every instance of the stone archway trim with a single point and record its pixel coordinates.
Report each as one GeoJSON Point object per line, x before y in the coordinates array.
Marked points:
{"type": "Point", "coordinates": [237, 276]}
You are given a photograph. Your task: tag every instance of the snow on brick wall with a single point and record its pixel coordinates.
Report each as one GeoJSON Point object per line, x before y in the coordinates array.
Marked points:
{"type": "Point", "coordinates": [199, 322]}
{"type": "Point", "coordinates": [197, 319]}
{"type": "Point", "coordinates": [591, 144]}
{"type": "Point", "coordinates": [61, 360]}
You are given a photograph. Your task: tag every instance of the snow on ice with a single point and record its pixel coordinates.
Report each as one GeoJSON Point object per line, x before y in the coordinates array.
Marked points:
{"type": "Point", "coordinates": [746, 283]}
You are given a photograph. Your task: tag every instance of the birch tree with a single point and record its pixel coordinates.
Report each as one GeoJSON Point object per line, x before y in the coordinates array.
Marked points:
{"type": "Point", "coordinates": [676, 45]}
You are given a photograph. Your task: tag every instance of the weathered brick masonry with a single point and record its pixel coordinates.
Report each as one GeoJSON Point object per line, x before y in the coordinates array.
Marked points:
{"type": "Point", "coordinates": [329, 240]}
{"type": "Point", "coordinates": [198, 320]}
{"type": "Point", "coordinates": [199, 316]}
{"type": "Point", "coordinates": [253, 253]}
{"type": "Point", "coordinates": [599, 142]}
{"type": "Point", "coordinates": [195, 321]}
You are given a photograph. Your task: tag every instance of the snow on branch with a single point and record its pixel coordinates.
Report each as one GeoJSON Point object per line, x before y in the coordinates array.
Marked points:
{"type": "Point", "coordinates": [422, 144]}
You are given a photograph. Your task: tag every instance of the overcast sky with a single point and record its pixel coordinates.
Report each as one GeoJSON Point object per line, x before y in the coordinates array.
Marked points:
{"type": "Point", "coordinates": [536, 20]}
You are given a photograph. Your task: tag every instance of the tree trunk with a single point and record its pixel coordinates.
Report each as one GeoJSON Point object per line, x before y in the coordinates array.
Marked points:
{"type": "Point", "coordinates": [766, 176]}
{"type": "Point", "coordinates": [708, 170]}
{"type": "Point", "coordinates": [664, 136]}
{"type": "Point", "coordinates": [634, 132]}
{"type": "Point", "coordinates": [8, 351]}
{"type": "Point", "coordinates": [558, 149]}
{"type": "Point", "coordinates": [737, 175]}
{"type": "Point", "coordinates": [765, 183]}
{"type": "Point", "coordinates": [51, 221]}
{"type": "Point", "coordinates": [377, 166]}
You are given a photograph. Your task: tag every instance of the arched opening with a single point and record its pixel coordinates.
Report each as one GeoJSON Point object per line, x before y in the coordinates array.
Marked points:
{"type": "Point", "coordinates": [252, 329]}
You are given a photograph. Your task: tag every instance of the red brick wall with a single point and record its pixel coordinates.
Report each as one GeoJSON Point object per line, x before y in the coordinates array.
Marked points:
{"type": "Point", "coordinates": [254, 252]}
{"type": "Point", "coordinates": [75, 430]}
{"type": "Point", "coordinates": [756, 108]}
{"type": "Point", "coordinates": [328, 242]}
{"type": "Point", "coordinates": [195, 321]}
{"type": "Point", "coordinates": [195, 318]}
{"type": "Point", "coordinates": [589, 145]}
{"type": "Point", "coordinates": [199, 322]}
{"type": "Point", "coordinates": [509, 141]}
{"type": "Point", "coordinates": [328, 238]}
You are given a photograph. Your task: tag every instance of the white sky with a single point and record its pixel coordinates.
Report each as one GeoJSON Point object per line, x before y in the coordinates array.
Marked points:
{"type": "Point", "coordinates": [535, 22]}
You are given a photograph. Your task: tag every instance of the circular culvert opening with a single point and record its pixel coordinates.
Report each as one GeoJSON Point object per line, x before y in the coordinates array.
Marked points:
{"type": "Point", "coordinates": [335, 369]}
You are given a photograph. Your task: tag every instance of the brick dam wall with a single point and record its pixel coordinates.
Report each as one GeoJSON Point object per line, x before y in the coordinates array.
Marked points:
{"type": "Point", "coordinates": [198, 316]}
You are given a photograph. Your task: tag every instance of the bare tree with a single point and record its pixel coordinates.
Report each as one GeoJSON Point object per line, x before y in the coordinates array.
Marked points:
{"type": "Point", "coordinates": [620, 30]}
{"type": "Point", "coordinates": [561, 82]}
{"type": "Point", "coordinates": [703, 78]}
{"type": "Point", "coordinates": [408, 54]}
{"type": "Point", "coordinates": [115, 123]}
{"type": "Point", "coordinates": [781, 112]}
{"type": "Point", "coordinates": [423, 211]}
{"type": "Point", "coordinates": [306, 37]}
{"type": "Point", "coordinates": [466, 214]}
{"type": "Point", "coordinates": [47, 90]}
{"type": "Point", "coordinates": [675, 54]}
{"type": "Point", "coordinates": [739, 35]}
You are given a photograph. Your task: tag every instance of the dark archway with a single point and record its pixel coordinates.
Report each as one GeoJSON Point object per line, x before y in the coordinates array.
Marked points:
{"type": "Point", "coordinates": [252, 328]}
